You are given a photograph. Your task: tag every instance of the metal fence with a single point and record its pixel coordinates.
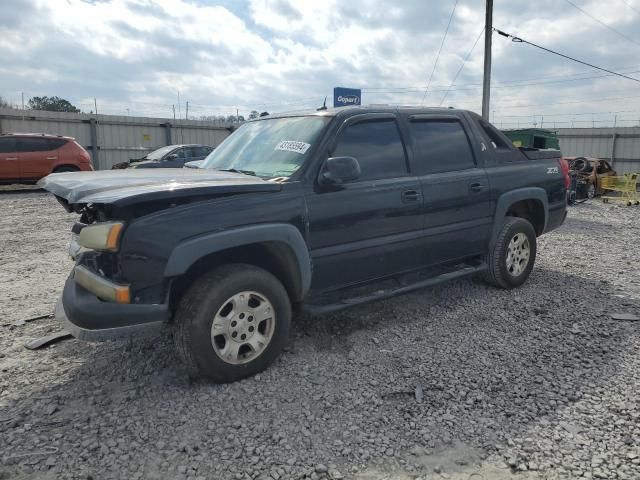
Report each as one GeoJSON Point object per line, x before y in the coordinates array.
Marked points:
{"type": "Point", "coordinates": [621, 145]}
{"type": "Point", "coordinates": [112, 139]}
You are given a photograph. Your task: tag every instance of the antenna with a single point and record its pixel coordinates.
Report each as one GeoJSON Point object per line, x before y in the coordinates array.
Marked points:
{"type": "Point", "coordinates": [324, 105]}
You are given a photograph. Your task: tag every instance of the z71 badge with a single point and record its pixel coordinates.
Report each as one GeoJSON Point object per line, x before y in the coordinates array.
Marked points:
{"type": "Point", "coordinates": [551, 170]}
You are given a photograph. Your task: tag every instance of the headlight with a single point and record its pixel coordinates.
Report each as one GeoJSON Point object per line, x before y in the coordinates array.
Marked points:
{"type": "Point", "coordinates": [101, 236]}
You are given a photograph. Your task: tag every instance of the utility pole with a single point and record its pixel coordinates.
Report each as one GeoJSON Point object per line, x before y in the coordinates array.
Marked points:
{"type": "Point", "coordinates": [237, 116]}
{"type": "Point", "coordinates": [95, 104]}
{"type": "Point", "coordinates": [186, 113]}
{"type": "Point", "coordinates": [174, 111]}
{"type": "Point", "coordinates": [486, 82]}
{"type": "Point", "coordinates": [23, 129]}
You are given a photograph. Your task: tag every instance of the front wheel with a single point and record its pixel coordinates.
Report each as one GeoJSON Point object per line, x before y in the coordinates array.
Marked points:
{"type": "Point", "coordinates": [511, 259]}
{"type": "Point", "coordinates": [232, 323]}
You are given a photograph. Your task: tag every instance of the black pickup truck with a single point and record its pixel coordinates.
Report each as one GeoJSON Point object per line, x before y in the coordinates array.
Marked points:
{"type": "Point", "coordinates": [308, 212]}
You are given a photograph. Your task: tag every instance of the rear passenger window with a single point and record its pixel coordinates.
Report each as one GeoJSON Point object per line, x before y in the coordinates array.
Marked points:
{"type": "Point", "coordinates": [443, 146]}
{"type": "Point", "coordinates": [7, 145]}
{"type": "Point", "coordinates": [55, 143]}
{"type": "Point", "coordinates": [201, 151]}
{"type": "Point", "coordinates": [35, 144]}
{"type": "Point", "coordinates": [378, 148]}
{"type": "Point", "coordinates": [497, 140]}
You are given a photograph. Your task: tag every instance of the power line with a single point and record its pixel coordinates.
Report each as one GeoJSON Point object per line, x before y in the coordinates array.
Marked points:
{"type": "Point", "coordinates": [461, 67]}
{"type": "Point", "coordinates": [630, 6]}
{"type": "Point", "coordinates": [475, 86]}
{"type": "Point", "coordinates": [564, 114]}
{"type": "Point", "coordinates": [507, 84]}
{"type": "Point", "coordinates": [521, 40]}
{"type": "Point", "coordinates": [602, 23]}
{"type": "Point", "coordinates": [444, 37]}
{"type": "Point", "coordinates": [602, 99]}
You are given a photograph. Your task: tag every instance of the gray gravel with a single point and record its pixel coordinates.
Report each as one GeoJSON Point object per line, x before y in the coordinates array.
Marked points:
{"type": "Point", "coordinates": [459, 381]}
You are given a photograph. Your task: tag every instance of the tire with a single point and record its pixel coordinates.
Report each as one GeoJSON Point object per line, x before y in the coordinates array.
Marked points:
{"type": "Point", "coordinates": [65, 169]}
{"type": "Point", "coordinates": [591, 191]}
{"type": "Point", "coordinates": [498, 272]}
{"type": "Point", "coordinates": [581, 164]}
{"type": "Point", "coordinates": [215, 298]}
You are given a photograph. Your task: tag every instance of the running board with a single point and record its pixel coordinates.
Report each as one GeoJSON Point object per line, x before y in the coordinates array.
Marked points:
{"type": "Point", "coordinates": [321, 309]}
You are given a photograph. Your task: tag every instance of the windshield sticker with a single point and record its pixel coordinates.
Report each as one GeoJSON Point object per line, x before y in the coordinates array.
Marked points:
{"type": "Point", "coordinates": [293, 146]}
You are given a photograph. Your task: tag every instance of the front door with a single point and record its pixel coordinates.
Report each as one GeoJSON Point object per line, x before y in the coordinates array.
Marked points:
{"type": "Point", "coordinates": [457, 202]}
{"type": "Point", "coordinates": [9, 165]}
{"type": "Point", "coordinates": [370, 227]}
{"type": "Point", "coordinates": [37, 156]}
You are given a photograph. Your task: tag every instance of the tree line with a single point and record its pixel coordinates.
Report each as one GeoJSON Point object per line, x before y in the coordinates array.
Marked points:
{"type": "Point", "coordinates": [50, 104]}
{"type": "Point", "coordinates": [57, 104]}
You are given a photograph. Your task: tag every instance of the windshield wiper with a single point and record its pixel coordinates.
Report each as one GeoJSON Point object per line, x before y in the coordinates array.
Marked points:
{"type": "Point", "coordinates": [234, 170]}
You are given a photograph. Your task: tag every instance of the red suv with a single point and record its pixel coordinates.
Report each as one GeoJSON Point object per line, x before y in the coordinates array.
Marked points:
{"type": "Point", "coordinates": [27, 157]}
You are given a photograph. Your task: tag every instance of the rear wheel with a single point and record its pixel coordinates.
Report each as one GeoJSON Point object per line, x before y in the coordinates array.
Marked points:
{"type": "Point", "coordinates": [232, 323]}
{"type": "Point", "coordinates": [511, 260]}
{"type": "Point", "coordinates": [65, 169]}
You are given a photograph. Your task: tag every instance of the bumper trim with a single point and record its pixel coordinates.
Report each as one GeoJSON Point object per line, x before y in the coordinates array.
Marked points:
{"type": "Point", "coordinates": [100, 286]}
{"type": "Point", "coordinates": [103, 334]}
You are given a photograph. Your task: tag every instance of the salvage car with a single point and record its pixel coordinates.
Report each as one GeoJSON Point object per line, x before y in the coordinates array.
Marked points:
{"type": "Point", "coordinates": [171, 156]}
{"type": "Point", "coordinates": [27, 157]}
{"type": "Point", "coordinates": [306, 212]}
{"type": "Point", "coordinates": [589, 173]}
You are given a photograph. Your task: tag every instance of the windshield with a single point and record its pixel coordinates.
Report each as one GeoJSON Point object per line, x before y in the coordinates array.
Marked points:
{"type": "Point", "coordinates": [268, 148]}
{"type": "Point", "coordinates": [159, 153]}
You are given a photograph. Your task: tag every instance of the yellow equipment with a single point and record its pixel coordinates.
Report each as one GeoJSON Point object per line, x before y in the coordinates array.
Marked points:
{"type": "Point", "coordinates": [625, 187]}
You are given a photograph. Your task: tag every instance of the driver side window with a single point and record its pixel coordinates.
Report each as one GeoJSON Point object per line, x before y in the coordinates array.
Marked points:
{"type": "Point", "coordinates": [378, 148]}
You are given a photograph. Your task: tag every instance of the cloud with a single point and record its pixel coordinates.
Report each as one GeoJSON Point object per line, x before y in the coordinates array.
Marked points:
{"type": "Point", "coordinates": [281, 54]}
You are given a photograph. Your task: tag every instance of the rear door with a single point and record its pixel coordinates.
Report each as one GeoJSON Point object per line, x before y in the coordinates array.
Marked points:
{"type": "Point", "coordinates": [370, 227]}
{"type": "Point", "coordinates": [37, 157]}
{"type": "Point", "coordinates": [457, 202]}
{"type": "Point", "coordinates": [182, 155]}
{"type": "Point", "coordinates": [9, 165]}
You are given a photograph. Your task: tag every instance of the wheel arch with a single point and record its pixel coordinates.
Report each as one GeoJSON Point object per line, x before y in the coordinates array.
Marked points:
{"type": "Point", "coordinates": [277, 248]}
{"type": "Point", "coordinates": [528, 203]}
{"type": "Point", "coordinates": [71, 166]}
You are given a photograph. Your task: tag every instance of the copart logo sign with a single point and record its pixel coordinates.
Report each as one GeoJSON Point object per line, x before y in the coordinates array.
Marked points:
{"type": "Point", "coordinates": [344, 97]}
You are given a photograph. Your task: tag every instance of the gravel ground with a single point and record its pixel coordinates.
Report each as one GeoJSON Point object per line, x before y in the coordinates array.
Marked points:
{"type": "Point", "coordinates": [461, 381]}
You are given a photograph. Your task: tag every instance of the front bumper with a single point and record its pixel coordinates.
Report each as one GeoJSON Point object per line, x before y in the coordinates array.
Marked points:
{"type": "Point", "coordinates": [87, 317]}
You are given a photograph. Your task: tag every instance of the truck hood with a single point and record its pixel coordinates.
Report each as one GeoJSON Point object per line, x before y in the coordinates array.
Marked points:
{"type": "Point", "coordinates": [126, 187]}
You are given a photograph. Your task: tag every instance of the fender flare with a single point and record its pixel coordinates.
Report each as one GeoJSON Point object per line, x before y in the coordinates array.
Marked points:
{"type": "Point", "coordinates": [509, 198]}
{"type": "Point", "coordinates": [188, 252]}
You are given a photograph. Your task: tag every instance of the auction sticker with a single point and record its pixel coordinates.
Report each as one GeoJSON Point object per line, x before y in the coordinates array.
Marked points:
{"type": "Point", "coordinates": [293, 146]}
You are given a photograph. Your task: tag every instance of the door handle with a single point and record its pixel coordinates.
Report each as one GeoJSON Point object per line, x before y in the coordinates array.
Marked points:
{"type": "Point", "coordinates": [52, 158]}
{"type": "Point", "coordinates": [11, 158]}
{"type": "Point", "coordinates": [476, 187]}
{"type": "Point", "coordinates": [410, 196]}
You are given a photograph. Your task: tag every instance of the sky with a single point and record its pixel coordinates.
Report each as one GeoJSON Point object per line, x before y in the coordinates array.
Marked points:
{"type": "Point", "coordinates": [149, 57]}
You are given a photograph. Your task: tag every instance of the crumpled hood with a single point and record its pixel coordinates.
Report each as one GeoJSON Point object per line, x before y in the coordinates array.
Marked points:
{"type": "Point", "coordinates": [129, 186]}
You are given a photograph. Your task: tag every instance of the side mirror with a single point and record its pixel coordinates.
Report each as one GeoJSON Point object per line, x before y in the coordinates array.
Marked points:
{"type": "Point", "coordinates": [171, 156]}
{"type": "Point", "coordinates": [337, 170]}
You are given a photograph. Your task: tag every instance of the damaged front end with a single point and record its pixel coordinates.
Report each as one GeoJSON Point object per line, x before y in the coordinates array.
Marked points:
{"type": "Point", "coordinates": [117, 287]}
